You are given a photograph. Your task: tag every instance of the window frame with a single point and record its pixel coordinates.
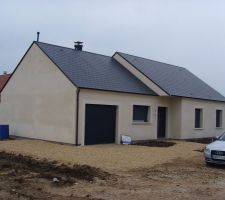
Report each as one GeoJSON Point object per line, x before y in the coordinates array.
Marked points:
{"type": "Point", "coordinates": [220, 121]}
{"type": "Point", "coordinates": [148, 117]}
{"type": "Point", "coordinates": [200, 120]}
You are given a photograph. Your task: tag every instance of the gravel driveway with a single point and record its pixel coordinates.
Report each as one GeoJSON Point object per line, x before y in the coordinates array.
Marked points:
{"type": "Point", "coordinates": [112, 158]}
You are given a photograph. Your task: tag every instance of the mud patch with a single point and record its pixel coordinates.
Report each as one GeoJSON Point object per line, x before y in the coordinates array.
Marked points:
{"type": "Point", "coordinates": [51, 169]}
{"type": "Point", "coordinates": [24, 178]}
{"type": "Point", "coordinates": [200, 150]}
{"type": "Point", "coordinates": [155, 143]}
{"type": "Point", "coordinates": [201, 140]}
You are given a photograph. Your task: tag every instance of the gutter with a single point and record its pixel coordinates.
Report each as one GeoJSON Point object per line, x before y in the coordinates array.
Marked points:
{"type": "Point", "coordinates": [77, 117]}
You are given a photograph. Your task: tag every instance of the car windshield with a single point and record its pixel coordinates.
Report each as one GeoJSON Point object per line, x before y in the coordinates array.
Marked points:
{"type": "Point", "coordinates": [222, 137]}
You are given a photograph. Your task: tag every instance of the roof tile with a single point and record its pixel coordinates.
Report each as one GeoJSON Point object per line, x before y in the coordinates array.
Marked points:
{"type": "Point", "coordinates": [176, 81]}
{"type": "Point", "coordinates": [90, 70]}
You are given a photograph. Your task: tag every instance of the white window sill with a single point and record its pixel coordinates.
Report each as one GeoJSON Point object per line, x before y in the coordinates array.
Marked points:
{"type": "Point", "coordinates": [198, 128]}
{"type": "Point", "coordinates": [141, 123]}
{"type": "Point", "coordinates": [219, 127]}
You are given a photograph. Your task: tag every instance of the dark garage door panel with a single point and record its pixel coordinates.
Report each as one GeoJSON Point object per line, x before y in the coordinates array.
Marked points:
{"type": "Point", "coordinates": [100, 124]}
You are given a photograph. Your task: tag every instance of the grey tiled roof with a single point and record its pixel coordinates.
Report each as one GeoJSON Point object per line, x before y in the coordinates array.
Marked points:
{"type": "Point", "coordinates": [176, 81]}
{"type": "Point", "coordinates": [89, 70]}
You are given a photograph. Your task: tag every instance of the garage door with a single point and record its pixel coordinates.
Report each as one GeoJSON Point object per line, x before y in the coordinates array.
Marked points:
{"type": "Point", "coordinates": [100, 124]}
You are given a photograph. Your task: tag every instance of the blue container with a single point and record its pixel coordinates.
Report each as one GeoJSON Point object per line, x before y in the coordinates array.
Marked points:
{"type": "Point", "coordinates": [4, 132]}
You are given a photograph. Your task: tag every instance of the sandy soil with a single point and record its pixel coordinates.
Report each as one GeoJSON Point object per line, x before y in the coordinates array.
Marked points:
{"type": "Point", "coordinates": [134, 172]}
{"type": "Point", "coordinates": [111, 157]}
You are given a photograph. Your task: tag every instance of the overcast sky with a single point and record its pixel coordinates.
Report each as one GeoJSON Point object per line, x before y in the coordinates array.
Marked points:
{"type": "Point", "coordinates": [188, 33]}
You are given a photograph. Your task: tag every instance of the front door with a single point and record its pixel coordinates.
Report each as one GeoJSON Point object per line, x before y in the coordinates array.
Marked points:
{"type": "Point", "coordinates": [161, 125]}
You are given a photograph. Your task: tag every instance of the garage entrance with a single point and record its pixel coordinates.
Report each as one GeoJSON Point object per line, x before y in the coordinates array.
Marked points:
{"type": "Point", "coordinates": [100, 124]}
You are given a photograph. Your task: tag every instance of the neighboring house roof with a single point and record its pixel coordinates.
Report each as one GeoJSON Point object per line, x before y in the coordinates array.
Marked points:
{"type": "Point", "coordinates": [3, 79]}
{"type": "Point", "coordinates": [94, 71]}
{"type": "Point", "coordinates": [176, 81]}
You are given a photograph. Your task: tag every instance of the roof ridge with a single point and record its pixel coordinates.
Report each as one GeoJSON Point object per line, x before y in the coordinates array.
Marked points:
{"type": "Point", "coordinates": [152, 60]}
{"type": "Point", "coordinates": [72, 49]}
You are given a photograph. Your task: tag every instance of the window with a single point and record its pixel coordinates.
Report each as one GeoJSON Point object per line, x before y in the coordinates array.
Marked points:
{"type": "Point", "coordinates": [198, 118]}
{"type": "Point", "coordinates": [219, 118]}
{"type": "Point", "coordinates": [141, 113]}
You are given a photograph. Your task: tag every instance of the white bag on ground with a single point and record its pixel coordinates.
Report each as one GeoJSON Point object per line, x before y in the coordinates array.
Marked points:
{"type": "Point", "coordinates": [125, 139]}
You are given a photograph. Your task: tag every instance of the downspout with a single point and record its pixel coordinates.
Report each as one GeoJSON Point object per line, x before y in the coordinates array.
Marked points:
{"type": "Point", "coordinates": [77, 117]}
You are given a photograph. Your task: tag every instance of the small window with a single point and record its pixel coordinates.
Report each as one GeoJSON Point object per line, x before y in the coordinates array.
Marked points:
{"type": "Point", "coordinates": [141, 113]}
{"type": "Point", "coordinates": [198, 118]}
{"type": "Point", "coordinates": [219, 118]}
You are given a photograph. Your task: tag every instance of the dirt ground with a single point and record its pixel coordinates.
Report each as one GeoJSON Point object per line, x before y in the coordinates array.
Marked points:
{"type": "Point", "coordinates": [107, 172]}
{"type": "Point", "coordinates": [111, 157]}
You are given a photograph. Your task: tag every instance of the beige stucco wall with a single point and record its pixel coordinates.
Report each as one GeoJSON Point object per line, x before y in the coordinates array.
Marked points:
{"type": "Point", "coordinates": [175, 117]}
{"type": "Point", "coordinates": [209, 118]}
{"type": "Point", "coordinates": [124, 103]}
{"type": "Point", "coordinates": [39, 101]}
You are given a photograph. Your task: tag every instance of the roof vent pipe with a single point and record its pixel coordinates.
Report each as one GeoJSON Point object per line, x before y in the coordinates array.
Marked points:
{"type": "Point", "coordinates": [78, 45]}
{"type": "Point", "coordinates": [38, 33]}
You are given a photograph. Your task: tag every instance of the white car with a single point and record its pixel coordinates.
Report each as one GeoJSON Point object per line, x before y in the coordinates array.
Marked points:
{"type": "Point", "coordinates": [215, 151]}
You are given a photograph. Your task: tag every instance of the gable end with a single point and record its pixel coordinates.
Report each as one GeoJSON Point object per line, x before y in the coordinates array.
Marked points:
{"type": "Point", "coordinates": [142, 77]}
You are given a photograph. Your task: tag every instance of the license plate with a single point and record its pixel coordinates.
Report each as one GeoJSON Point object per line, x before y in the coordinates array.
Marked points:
{"type": "Point", "coordinates": [218, 157]}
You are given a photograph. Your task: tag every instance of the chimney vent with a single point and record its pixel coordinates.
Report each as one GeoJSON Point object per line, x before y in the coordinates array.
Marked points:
{"type": "Point", "coordinates": [78, 45]}
{"type": "Point", "coordinates": [38, 33]}
{"type": "Point", "coordinates": [5, 73]}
